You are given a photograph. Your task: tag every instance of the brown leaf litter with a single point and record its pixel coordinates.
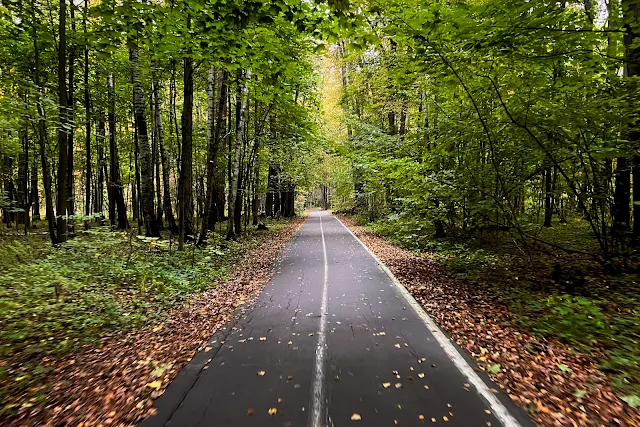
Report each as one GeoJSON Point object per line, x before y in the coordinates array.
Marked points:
{"type": "Point", "coordinates": [116, 382]}
{"type": "Point", "coordinates": [555, 385]}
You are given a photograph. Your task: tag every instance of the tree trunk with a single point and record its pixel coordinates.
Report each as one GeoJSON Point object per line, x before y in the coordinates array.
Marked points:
{"type": "Point", "coordinates": [23, 183]}
{"type": "Point", "coordinates": [391, 117]}
{"type": "Point", "coordinates": [185, 191]}
{"type": "Point", "coordinates": [146, 169]}
{"type": "Point", "coordinates": [620, 210]}
{"type": "Point", "coordinates": [403, 120]}
{"type": "Point", "coordinates": [98, 202]}
{"type": "Point", "coordinates": [548, 197]}
{"type": "Point", "coordinates": [166, 200]}
{"type": "Point", "coordinates": [155, 154]}
{"type": "Point", "coordinates": [243, 95]}
{"type": "Point", "coordinates": [214, 147]}
{"type": "Point", "coordinates": [87, 109]}
{"type": "Point", "coordinates": [168, 210]}
{"type": "Point", "coordinates": [35, 197]}
{"type": "Point", "coordinates": [71, 106]}
{"type": "Point", "coordinates": [173, 115]}
{"type": "Point", "coordinates": [256, 181]}
{"type": "Point", "coordinates": [237, 211]}
{"type": "Point", "coordinates": [631, 19]}
{"type": "Point", "coordinates": [636, 198]}
{"type": "Point", "coordinates": [115, 183]}
{"type": "Point", "coordinates": [137, 190]}
{"type": "Point", "coordinates": [63, 195]}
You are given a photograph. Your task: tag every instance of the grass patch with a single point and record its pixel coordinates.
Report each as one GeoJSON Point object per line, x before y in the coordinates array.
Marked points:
{"type": "Point", "coordinates": [552, 294]}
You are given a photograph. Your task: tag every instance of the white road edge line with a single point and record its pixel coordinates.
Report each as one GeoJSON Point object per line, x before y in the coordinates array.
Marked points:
{"type": "Point", "coordinates": [318, 417]}
{"type": "Point", "coordinates": [499, 410]}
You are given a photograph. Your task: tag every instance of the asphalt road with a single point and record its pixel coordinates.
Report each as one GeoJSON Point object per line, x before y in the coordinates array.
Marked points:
{"type": "Point", "coordinates": [332, 341]}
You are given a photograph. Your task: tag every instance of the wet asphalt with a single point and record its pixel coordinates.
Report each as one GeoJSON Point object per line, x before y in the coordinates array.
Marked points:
{"type": "Point", "coordinates": [380, 365]}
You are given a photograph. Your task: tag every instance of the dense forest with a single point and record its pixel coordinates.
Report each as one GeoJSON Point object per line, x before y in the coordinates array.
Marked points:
{"type": "Point", "coordinates": [149, 115]}
{"type": "Point", "coordinates": [500, 137]}
{"type": "Point", "coordinates": [145, 144]}
{"type": "Point", "coordinates": [496, 116]}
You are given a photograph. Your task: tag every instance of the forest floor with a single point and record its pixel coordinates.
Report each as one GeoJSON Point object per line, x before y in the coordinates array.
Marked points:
{"type": "Point", "coordinates": [96, 329]}
{"type": "Point", "coordinates": [568, 358]}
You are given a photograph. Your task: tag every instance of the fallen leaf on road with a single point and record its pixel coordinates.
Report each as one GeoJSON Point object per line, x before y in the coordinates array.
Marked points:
{"type": "Point", "coordinates": [155, 384]}
{"type": "Point", "coordinates": [356, 417]}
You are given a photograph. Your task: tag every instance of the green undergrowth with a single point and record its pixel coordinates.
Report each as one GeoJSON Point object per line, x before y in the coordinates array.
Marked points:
{"type": "Point", "coordinates": [552, 294]}
{"type": "Point", "coordinates": [54, 300]}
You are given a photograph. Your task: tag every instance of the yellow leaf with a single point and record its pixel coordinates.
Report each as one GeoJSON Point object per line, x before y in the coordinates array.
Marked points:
{"type": "Point", "coordinates": [272, 411]}
{"type": "Point", "coordinates": [261, 373]}
{"type": "Point", "coordinates": [386, 385]}
{"type": "Point", "coordinates": [356, 417]}
{"type": "Point", "coordinates": [155, 384]}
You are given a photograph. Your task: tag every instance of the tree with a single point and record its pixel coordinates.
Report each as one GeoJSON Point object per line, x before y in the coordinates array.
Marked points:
{"type": "Point", "coordinates": [243, 94]}
{"type": "Point", "coordinates": [116, 202]}
{"type": "Point", "coordinates": [146, 168]}
{"type": "Point", "coordinates": [62, 202]}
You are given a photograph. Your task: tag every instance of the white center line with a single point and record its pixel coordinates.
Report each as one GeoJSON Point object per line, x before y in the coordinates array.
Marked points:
{"type": "Point", "coordinates": [318, 416]}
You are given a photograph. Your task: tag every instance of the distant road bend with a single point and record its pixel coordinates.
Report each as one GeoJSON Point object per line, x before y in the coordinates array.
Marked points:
{"type": "Point", "coordinates": [333, 340]}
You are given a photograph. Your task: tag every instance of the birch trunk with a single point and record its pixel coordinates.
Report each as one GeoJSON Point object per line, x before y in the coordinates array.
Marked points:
{"type": "Point", "coordinates": [243, 94]}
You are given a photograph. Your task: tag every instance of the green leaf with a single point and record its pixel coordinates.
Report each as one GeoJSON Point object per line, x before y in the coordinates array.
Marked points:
{"type": "Point", "coordinates": [632, 400]}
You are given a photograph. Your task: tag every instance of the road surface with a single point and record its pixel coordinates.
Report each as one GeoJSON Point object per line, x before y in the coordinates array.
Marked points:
{"type": "Point", "coordinates": [332, 341]}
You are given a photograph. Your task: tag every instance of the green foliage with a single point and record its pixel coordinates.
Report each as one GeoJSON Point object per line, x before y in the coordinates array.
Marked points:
{"type": "Point", "coordinates": [54, 300]}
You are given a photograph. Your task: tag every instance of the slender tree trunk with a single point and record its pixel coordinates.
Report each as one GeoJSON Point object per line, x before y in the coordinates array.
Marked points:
{"type": "Point", "coordinates": [35, 197]}
{"type": "Point", "coordinates": [42, 136]}
{"type": "Point", "coordinates": [214, 148]}
{"type": "Point", "coordinates": [548, 197]}
{"type": "Point", "coordinates": [71, 105]}
{"type": "Point", "coordinates": [173, 114]}
{"type": "Point", "coordinates": [101, 132]}
{"type": "Point", "coordinates": [256, 181]}
{"type": "Point", "coordinates": [185, 193]}
{"type": "Point", "coordinates": [23, 180]}
{"type": "Point", "coordinates": [63, 196]}
{"type": "Point", "coordinates": [115, 184]}
{"type": "Point", "coordinates": [87, 109]}
{"type": "Point", "coordinates": [243, 94]}
{"type": "Point", "coordinates": [155, 155]}
{"type": "Point", "coordinates": [162, 158]}
{"type": "Point", "coordinates": [403, 119]}
{"type": "Point", "coordinates": [237, 210]}
{"type": "Point", "coordinates": [146, 169]}
{"type": "Point", "coordinates": [136, 189]}
{"type": "Point", "coordinates": [168, 211]}
{"type": "Point", "coordinates": [268, 204]}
